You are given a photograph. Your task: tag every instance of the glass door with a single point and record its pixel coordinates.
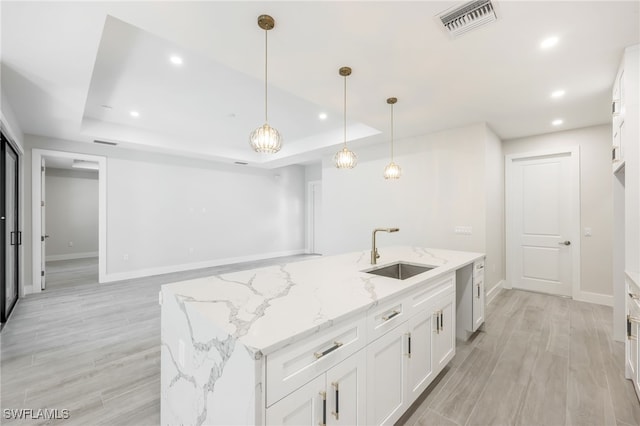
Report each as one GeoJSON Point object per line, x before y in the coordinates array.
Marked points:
{"type": "Point", "coordinates": [10, 234]}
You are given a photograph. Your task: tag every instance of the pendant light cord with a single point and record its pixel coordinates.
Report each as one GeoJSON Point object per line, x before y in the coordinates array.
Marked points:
{"type": "Point", "coordinates": [392, 133]}
{"type": "Point", "coordinates": [345, 111]}
{"type": "Point", "coordinates": [266, 56]}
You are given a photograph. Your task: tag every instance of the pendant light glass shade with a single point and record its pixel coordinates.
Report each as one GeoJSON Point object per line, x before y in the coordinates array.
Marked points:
{"type": "Point", "coordinates": [265, 138]}
{"type": "Point", "coordinates": [392, 171]}
{"type": "Point", "coordinates": [345, 159]}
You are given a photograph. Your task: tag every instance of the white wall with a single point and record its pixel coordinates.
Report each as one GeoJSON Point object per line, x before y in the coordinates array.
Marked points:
{"type": "Point", "coordinates": [495, 268]}
{"type": "Point", "coordinates": [71, 214]}
{"type": "Point", "coordinates": [444, 184]}
{"type": "Point", "coordinates": [155, 211]}
{"type": "Point", "coordinates": [595, 198]}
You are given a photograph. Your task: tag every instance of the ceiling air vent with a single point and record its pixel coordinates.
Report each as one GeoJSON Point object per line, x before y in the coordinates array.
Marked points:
{"type": "Point", "coordinates": [467, 17]}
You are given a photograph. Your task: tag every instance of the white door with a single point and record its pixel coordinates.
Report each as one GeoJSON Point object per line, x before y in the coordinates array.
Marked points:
{"type": "Point", "coordinates": [346, 391]}
{"type": "Point", "coordinates": [543, 222]}
{"type": "Point", "coordinates": [43, 227]}
{"type": "Point", "coordinates": [302, 407]}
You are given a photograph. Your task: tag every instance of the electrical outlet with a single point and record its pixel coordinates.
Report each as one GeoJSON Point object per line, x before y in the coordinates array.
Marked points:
{"type": "Point", "coordinates": [463, 230]}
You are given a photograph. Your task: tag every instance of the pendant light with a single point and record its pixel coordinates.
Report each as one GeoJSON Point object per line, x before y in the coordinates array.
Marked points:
{"type": "Point", "coordinates": [265, 138]}
{"type": "Point", "coordinates": [345, 159]}
{"type": "Point", "coordinates": [392, 171]}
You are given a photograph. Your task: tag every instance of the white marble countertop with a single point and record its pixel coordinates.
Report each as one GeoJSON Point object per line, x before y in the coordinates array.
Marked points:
{"type": "Point", "coordinates": [268, 308]}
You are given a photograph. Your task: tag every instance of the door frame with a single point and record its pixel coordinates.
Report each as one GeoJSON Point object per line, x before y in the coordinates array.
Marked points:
{"type": "Point", "coordinates": [36, 217]}
{"type": "Point", "coordinates": [311, 231]}
{"type": "Point", "coordinates": [11, 144]}
{"type": "Point", "coordinates": [574, 234]}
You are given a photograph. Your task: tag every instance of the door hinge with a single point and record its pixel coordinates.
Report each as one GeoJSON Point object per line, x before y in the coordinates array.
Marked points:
{"type": "Point", "coordinates": [42, 273]}
{"type": "Point", "coordinates": [41, 203]}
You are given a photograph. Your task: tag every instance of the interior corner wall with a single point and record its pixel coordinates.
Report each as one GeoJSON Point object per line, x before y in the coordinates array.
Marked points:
{"type": "Point", "coordinates": [168, 213]}
{"type": "Point", "coordinates": [72, 214]}
{"type": "Point", "coordinates": [441, 187]}
{"type": "Point", "coordinates": [494, 185]}
{"type": "Point", "coordinates": [596, 198]}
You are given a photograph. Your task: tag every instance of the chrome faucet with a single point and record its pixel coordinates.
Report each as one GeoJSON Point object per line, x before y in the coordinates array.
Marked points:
{"type": "Point", "coordinates": [374, 249]}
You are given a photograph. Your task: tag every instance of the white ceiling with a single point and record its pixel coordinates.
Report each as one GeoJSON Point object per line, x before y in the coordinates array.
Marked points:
{"type": "Point", "coordinates": [62, 61]}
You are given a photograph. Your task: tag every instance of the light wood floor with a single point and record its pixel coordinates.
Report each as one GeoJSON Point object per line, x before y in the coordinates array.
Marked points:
{"type": "Point", "coordinates": [95, 350]}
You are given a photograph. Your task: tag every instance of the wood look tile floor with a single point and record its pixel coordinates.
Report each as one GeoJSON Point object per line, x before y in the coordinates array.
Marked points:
{"type": "Point", "coordinates": [95, 350]}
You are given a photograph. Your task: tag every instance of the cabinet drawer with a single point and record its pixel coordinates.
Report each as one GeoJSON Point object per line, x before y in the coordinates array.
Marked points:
{"type": "Point", "coordinates": [420, 299]}
{"type": "Point", "coordinates": [293, 366]}
{"type": "Point", "coordinates": [385, 317]}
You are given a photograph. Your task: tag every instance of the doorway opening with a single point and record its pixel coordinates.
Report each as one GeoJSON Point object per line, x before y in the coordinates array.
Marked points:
{"type": "Point", "coordinates": [68, 219]}
{"type": "Point", "coordinates": [314, 216]}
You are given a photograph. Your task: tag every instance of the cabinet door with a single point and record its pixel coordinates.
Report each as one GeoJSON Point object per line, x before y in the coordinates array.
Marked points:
{"type": "Point", "coordinates": [386, 372]}
{"type": "Point", "coordinates": [302, 407]}
{"type": "Point", "coordinates": [346, 391]}
{"type": "Point", "coordinates": [444, 346]}
{"type": "Point", "coordinates": [478, 302]}
{"type": "Point", "coordinates": [420, 364]}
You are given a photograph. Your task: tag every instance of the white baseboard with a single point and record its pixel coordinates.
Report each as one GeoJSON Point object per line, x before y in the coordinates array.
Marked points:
{"type": "Point", "coordinates": [597, 298]}
{"type": "Point", "coordinates": [493, 292]}
{"type": "Point", "coordinates": [71, 256]}
{"type": "Point", "coordinates": [119, 276]}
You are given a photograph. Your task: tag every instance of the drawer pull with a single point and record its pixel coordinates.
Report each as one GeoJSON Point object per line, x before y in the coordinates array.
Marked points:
{"type": "Point", "coordinates": [634, 296]}
{"type": "Point", "coordinates": [335, 346]}
{"type": "Point", "coordinates": [337, 412]}
{"type": "Point", "coordinates": [408, 345]}
{"type": "Point", "coordinates": [481, 266]}
{"type": "Point", "coordinates": [391, 315]}
{"type": "Point", "coordinates": [478, 291]}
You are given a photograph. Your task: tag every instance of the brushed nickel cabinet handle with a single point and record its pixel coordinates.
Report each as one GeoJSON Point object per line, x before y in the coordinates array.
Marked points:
{"type": "Point", "coordinates": [335, 346]}
{"type": "Point", "coordinates": [336, 413]}
{"type": "Point", "coordinates": [391, 315]}
{"type": "Point", "coordinates": [324, 408]}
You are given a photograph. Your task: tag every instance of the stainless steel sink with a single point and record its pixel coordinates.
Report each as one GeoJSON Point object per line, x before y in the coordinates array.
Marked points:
{"type": "Point", "coordinates": [400, 270]}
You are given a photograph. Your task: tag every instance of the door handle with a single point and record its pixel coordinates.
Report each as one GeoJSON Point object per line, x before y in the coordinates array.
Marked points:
{"type": "Point", "coordinates": [565, 243]}
{"type": "Point", "coordinates": [13, 234]}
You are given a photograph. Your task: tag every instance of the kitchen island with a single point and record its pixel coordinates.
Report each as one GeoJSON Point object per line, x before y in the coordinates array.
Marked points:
{"type": "Point", "coordinates": [308, 342]}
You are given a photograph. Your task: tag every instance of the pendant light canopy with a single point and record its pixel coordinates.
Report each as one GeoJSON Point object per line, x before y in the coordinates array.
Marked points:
{"type": "Point", "coordinates": [265, 138]}
{"type": "Point", "coordinates": [345, 159]}
{"type": "Point", "coordinates": [392, 171]}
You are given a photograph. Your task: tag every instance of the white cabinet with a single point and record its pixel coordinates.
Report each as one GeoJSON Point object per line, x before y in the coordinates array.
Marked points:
{"type": "Point", "coordinates": [420, 369]}
{"type": "Point", "coordinates": [470, 299]}
{"type": "Point", "coordinates": [370, 371]}
{"type": "Point", "coordinates": [334, 398]}
{"type": "Point", "coordinates": [632, 347]}
{"type": "Point", "coordinates": [444, 345]}
{"type": "Point", "coordinates": [478, 305]}
{"type": "Point", "coordinates": [402, 363]}
{"type": "Point", "coordinates": [386, 377]}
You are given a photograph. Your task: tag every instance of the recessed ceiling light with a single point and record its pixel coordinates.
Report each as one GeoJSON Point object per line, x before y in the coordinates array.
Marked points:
{"type": "Point", "coordinates": [557, 122]}
{"type": "Point", "coordinates": [176, 60]}
{"type": "Point", "coordinates": [134, 114]}
{"type": "Point", "coordinates": [322, 116]}
{"type": "Point", "coordinates": [549, 42]}
{"type": "Point", "coordinates": [557, 94]}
